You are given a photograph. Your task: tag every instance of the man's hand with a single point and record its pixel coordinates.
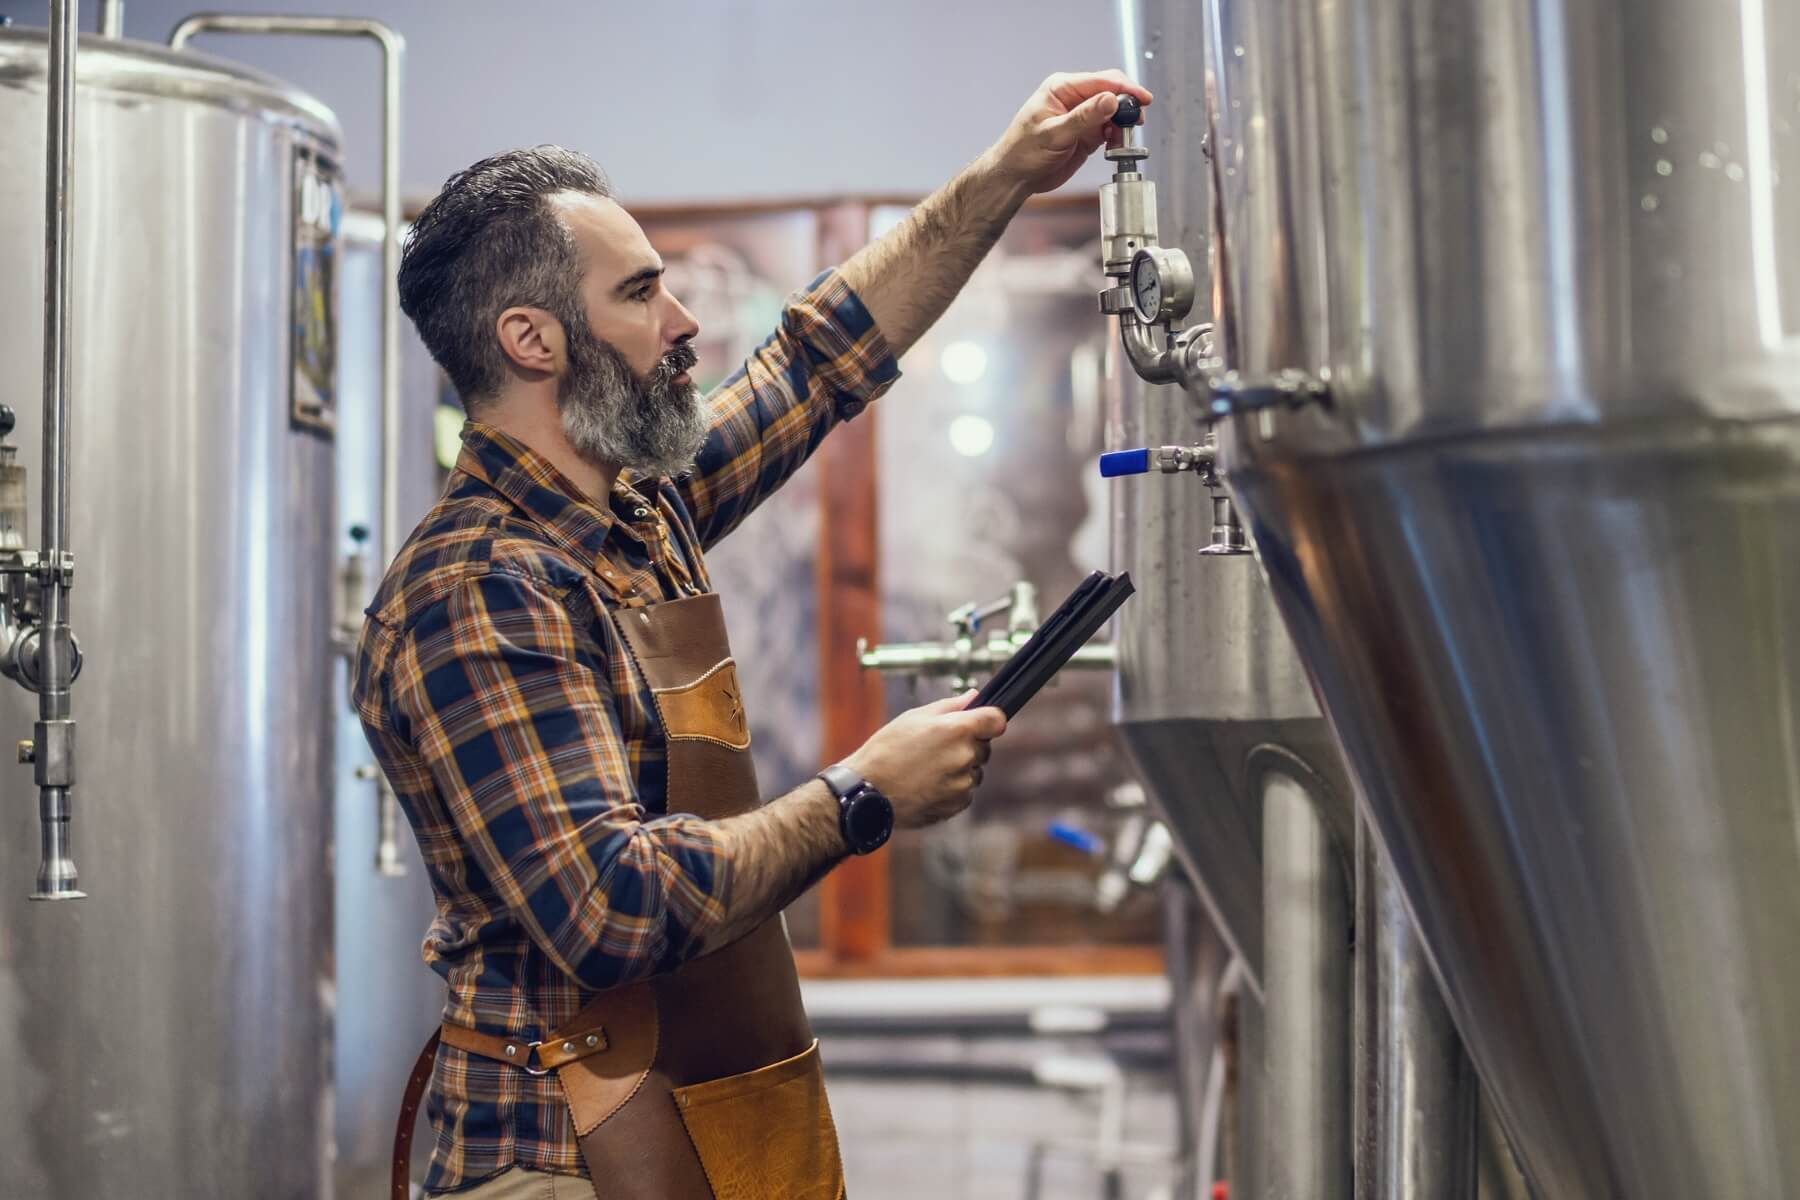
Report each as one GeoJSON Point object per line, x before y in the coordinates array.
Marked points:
{"type": "Point", "coordinates": [909, 277]}
{"type": "Point", "coordinates": [927, 761]}
{"type": "Point", "coordinates": [1066, 120]}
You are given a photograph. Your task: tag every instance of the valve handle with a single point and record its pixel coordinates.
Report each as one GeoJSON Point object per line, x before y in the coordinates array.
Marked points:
{"type": "Point", "coordinates": [1077, 838]}
{"type": "Point", "coordinates": [1125, 462]}
{"type": "Point", "coordinates": [1129, 112]}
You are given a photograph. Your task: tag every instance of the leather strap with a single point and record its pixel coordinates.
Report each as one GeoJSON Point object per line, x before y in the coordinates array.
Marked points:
{"type": "Point", "coordinates": [409, 1112]}
{"type": "Point", "coordinates": [537, 1058]}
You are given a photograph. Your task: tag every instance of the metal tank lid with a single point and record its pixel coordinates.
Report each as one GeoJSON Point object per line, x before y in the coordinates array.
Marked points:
{"type": "Point", "coordinates": [130, 68]}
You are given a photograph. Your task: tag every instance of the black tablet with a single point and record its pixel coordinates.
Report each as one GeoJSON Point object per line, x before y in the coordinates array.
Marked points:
{"type": "Point", "coordinates": [1068, 629]}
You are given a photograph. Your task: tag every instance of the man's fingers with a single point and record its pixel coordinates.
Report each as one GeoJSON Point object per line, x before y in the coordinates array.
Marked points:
{"type": "Point", "coordinates": [1074, 89]}
{"type": "Point", "coordinates": [983, 723]}
{"type": "Point", "coordinates": [950, 704]}
{"type": "Point", "coordinates": [1087, 119]}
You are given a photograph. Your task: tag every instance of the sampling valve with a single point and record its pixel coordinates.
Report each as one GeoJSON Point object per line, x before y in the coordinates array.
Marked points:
{"type": "Point", "coordinates": [1202, 461]}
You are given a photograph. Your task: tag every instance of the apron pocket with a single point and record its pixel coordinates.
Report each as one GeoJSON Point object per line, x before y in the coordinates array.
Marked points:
{"type": "Point", "coordinates": [767, 1133]}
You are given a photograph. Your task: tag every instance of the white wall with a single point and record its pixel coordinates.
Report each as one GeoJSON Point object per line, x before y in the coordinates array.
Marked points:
{"type": "Point", "coordinates": [682, 99]}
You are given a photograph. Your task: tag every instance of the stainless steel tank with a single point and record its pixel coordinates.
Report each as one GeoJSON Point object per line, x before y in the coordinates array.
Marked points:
{"type": "Point", "coordinates": [1540, 548]}
{"type": "Point", "coordinates": [1207, 674]}
{"type": "Point", "coordinates": [1356, 1083]}
{"type": "Point", "coordinates": [168, 1036]}
{"type": "Point", "coordinates": [1219, 719]}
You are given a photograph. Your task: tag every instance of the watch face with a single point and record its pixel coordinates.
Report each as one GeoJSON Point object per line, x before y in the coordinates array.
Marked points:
{"type": "Point", "coordinates": [1146, 287]}
{"type": "Point", "coordinates": [868, 820]}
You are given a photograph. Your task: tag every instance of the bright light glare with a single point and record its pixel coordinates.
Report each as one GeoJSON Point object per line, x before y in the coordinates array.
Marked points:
{"type": "Point", "coordinates": [972, 436]}
{"type": "Point", "coordinates": [963, 362]}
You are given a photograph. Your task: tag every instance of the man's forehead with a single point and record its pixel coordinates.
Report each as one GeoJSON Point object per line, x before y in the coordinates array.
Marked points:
{"type": "Point", "coordinates": [610, 239]}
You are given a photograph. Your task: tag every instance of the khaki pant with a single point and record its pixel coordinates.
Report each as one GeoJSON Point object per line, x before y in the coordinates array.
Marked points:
{"type": "Point", "coordinates": [516, 1183]}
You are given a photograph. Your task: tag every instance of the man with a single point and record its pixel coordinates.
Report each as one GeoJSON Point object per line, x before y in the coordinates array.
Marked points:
{"type": "Point", "coordinates": [544, 677]}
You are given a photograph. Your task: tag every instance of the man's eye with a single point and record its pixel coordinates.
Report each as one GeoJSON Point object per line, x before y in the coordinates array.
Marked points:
{"type": "Point", "coordinates": [641, 295]}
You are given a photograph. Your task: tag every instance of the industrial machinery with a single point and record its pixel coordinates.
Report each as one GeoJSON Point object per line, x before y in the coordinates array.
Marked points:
{"type": "Point", "coordinates": [168, 1035]}
{"type": "Point", "coordinates": [1351, 1080]}
{"type": "Point", "coordinates": [1504, 302]}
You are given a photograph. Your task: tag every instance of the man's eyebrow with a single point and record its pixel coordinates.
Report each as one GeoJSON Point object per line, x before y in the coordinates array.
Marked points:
{"type": "Point", "coordinates": [647, 275]}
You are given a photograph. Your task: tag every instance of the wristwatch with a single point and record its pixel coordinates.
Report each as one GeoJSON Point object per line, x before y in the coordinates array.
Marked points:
{"type": "Point", "coordinates": [865, 816]}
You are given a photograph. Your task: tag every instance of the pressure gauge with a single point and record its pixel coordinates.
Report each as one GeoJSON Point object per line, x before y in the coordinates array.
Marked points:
{"type": "Point", "coordinates": [1162, 285]}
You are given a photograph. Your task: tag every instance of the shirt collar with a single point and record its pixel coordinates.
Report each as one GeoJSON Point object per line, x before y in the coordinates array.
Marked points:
{"type": "Point", "coordinates": [536, 488]}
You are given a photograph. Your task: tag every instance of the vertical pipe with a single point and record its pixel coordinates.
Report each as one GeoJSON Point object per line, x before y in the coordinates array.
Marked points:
{"type": "Point", "coordinates": [390, 304]}
{"type": "Point", "coordinates": [1417, 1097]}
{"type": "Point", "coordinates": [1306, 989]}
{"type": "Point", "coordinates": [53, 744]}
{"type": "Point", "coordinates": [387, 805]}
{"type": "Point", "coordinates": [1246, 1140]}
{"type": "Point", "coordinates": [112, 18]}
{"type": "Point", "coordinates": [1197, 959]}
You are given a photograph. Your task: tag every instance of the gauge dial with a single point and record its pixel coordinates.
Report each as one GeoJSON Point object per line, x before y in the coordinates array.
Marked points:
{"type": "Point", "coordinates": [1146, 286]}
{"type": "Point", "coordinates": [1162, 285]}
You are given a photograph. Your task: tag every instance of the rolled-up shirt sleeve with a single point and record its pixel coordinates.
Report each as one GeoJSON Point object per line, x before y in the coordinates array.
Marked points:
{"type": "Point", "coordinates": [507, 700]}
{"type": "Point", "coordinates": [824, 364]}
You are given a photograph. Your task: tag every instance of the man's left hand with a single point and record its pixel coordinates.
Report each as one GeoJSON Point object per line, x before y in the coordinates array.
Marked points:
{"type": "Point", "coordinates": [1066, 120]}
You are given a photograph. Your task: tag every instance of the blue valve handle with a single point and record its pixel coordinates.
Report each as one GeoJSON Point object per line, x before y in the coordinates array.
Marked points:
{"type": "Point", "coordinates": [1078, 838]}
{"type": "Point", "coordinates": [1125, 462]}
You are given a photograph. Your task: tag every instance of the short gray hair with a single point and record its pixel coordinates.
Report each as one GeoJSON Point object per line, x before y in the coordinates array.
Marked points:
{"type": "Point", "coordinates": [488, 242]}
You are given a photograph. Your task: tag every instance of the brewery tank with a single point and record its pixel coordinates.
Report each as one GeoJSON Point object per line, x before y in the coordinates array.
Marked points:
{"type": "Point", "coordinates": [168, 1035]}
{"type": "Point", "coordinates": [1208, 679]}
{"type": "Point", "coordinates": [1510, 294]}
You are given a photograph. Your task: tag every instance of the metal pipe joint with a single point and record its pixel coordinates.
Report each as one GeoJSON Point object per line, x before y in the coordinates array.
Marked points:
{"type": "Point", "coordinates": [962, 659]}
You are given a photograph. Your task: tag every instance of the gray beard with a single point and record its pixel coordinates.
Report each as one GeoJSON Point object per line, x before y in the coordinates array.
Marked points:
{"type": "Point", "coordinates": [649, 424]}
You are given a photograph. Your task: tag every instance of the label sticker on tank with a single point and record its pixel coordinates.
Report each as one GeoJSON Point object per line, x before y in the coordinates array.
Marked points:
{"type": "Point", "coordinates": [318, 212]}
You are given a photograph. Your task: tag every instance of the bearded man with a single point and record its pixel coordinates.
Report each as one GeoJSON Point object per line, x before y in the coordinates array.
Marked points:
{"type": "Point", "coordinates": [545, 680]}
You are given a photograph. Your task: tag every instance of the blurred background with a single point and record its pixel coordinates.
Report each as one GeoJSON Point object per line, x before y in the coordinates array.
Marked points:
{"type": "Point", "coordinates": [994, 1016]}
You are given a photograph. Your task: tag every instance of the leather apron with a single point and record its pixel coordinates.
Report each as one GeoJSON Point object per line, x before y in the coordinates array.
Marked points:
{"type": "Point", "coordinates": [702, 1084]}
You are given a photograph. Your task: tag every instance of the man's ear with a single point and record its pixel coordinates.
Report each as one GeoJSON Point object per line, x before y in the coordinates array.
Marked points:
{"type": "Point", "coordinates": [532, 340]}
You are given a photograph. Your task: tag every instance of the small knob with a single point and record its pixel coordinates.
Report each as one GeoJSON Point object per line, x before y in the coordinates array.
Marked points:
{"type": "Point", "coordinates": [8, 419]}
{"type": "Point", "coordinates": [1129, 112]}
{"type": "Point", "coordinates": [359, 534]}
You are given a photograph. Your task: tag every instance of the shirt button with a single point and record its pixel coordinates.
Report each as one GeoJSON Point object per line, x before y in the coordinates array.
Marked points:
{"type": "Point", "coordinates": [641, 513]}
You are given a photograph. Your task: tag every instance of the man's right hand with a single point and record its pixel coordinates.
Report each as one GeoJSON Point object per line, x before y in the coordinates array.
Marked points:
{"type": "Point", "coordinates": [927, 761]}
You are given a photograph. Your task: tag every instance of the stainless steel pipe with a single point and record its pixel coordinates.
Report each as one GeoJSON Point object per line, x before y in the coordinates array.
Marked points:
{"type": "Point", "coordinates": [53, 742]}
{"type": "Point", "coordinates": [1306, 996]}
{"type": "Point", "coordinates": [112, 18]}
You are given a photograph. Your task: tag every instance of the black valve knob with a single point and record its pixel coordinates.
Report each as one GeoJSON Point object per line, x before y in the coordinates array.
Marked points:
{"type": "Point", "coordinates": [359, 534]}
{"type": "Point", "coordinates": [1129, 112]}
{"type": "Point", "coordinates": [8, 419]}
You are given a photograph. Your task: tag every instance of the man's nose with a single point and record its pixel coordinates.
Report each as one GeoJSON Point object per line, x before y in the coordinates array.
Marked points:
{"type": "Point", "coordinates": [683, 328]}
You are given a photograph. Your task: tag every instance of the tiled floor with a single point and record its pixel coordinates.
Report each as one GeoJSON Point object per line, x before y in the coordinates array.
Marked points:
{"type": "Point", "coordinates": [946, 1139]}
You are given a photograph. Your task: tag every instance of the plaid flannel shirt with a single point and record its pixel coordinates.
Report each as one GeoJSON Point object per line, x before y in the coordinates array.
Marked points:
{"type": "Point", "coordinates": [526, 750]}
